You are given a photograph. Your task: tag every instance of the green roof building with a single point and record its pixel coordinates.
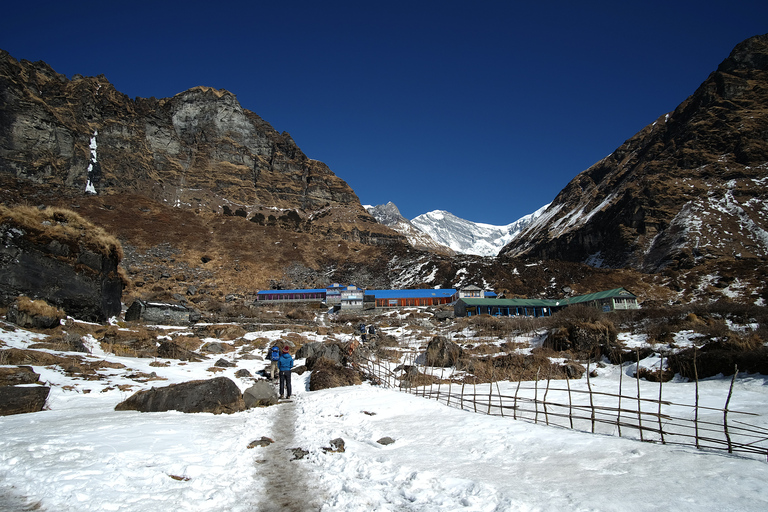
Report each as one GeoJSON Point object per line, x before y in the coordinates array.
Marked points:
{"type": "Point", "coordinates": [609, 300]}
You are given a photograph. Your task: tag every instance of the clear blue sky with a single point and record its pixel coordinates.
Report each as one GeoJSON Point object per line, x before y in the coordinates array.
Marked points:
{"type": "Point", "coordinates": [486, 109]}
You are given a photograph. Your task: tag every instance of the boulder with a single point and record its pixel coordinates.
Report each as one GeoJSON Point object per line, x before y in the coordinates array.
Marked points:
{"type": "Point", "coordinates": [442, 352]}
{"type": "Point", "coordinates": [22, 399]}
{"type": "Point", "coordinates": [223, 363]}
{"type": "Point", "coordinates": [316, 351]}
{"type": "Point", "coordinates": [34, 314]}
{"type": "Point", "coordinates": [262, 393]}
{"type": "Point", "coordinates": [12, 376]}
{"type": "Point", "coordinates": [164, 313]}
{"type": "Point", "coordinates": [330, 374]}
{"type": "Point", "coordinates": [171, 350]}
{"type": "Point", "coordinates": [219, 395]}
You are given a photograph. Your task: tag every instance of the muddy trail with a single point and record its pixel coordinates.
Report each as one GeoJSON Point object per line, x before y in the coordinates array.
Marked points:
{"type": "Point", "coordinates": [289, 485]}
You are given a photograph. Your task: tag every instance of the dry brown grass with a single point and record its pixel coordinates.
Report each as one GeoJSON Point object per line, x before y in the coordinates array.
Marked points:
{"type": "Point", "coordinates": [38, 308]}
{"type": "Point", "coordinates": [328, 374]}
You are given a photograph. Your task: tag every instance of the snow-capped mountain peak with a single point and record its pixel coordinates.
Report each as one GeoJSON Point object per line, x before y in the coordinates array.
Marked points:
{"type": "Point", "coordinates": [440, 228]}
{"type": "Point", "coordinates": [467, 237]}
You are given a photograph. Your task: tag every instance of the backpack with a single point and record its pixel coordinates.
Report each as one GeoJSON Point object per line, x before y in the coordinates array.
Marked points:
{"type": "Point", "coordinates": [275, 354]}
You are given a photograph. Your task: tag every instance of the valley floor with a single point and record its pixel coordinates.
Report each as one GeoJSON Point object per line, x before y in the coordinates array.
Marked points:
{"type": "Point", "coordinates": [81, 455]}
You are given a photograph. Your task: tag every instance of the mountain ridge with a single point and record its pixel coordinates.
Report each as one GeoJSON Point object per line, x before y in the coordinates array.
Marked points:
{"type": "Point", "coordinates": [687, 189]}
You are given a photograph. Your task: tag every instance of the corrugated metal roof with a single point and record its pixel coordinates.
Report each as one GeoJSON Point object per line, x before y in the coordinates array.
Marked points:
{"type": "Point", "coordinates": [513, 302]}
{"type": "Point", "coordinates": [413, 294]}
{"type": "Point", "coordinates": [607, 294]}
{"type": "Point", "coordinates": [312, 290]}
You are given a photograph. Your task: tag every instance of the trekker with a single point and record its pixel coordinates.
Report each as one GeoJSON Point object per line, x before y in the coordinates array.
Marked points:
{"type": "Point", "coordinates": [274, 356]}
{"type": "Point", "coordinates": [285, 363]}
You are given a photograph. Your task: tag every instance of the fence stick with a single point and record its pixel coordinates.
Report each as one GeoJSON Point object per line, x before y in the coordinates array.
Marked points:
{"type": "Point", "coordinates": [440, 382]}
{"type": "Point", "coordinates": [570, 399]}
{"type": "Point", "coordinates": [490, 390]}
{"type": "Point", "coordinates": [536, 396]}
{"type": "Point", "coordinates": [661, 380]}
{"type": "Point", "coordinates": [696, 406]}
{"type": "Point", "coordinates": [591, 399]}
{"type": "Point", "coordinates": [639, 411]}
{"type": "Point", "coordinates": [501, 404]}
{"type": "Point", "coordinates": [725, 410]}
{"type": "Point", "coordinates": [514, 406]}
{"type": "Point", "coordinates": [618, 411]}
{"type": "Point", "coordinates": [549, 377]}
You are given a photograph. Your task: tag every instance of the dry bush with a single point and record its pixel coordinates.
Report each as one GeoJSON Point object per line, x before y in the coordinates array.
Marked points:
{"type": "Point", "coordinates": [138, 342]}
{"type": "Point", "coordinates": [514, 367]}
{"type": "Point", "coordinates": [656, 375]}
{"type": "Point", "coordinates": [388, 354]}
{"type": "Point", "coordinates": [192, 343]}
{"type": "Point", "coordinates": [328, 374]}
{"type": "Point", "coordinates": [38, 308]}
{"type": "Point", "coordinates": [299, 314]}
{"type": "Point", "coordinates": [480, 349]}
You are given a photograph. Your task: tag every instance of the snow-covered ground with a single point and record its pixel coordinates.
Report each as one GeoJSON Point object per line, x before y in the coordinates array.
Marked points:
{"type": "Point", "coordinates": [82, 455]}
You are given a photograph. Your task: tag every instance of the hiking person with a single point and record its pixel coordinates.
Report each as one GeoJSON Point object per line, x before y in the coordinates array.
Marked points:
{"type": "Point", "coordinates": [285, 363]}
{"type": "Point", "coordinates": [274, 356]}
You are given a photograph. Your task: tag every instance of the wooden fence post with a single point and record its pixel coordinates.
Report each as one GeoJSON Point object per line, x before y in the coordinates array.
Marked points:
{"type": "Point", "coordinates": [639, 402]}
{"type": "Point", "coordinates": [570, 399]}
{"type": "Point", "coordinates": [618, 415]}
{"type": "Point", "coordinates": [536, 397]}
{"type": "Point", "coordinates": [591, 398]}
{"type": "Point", "coordinates": [696, 409]}
{"type": "Point", "coordinates": [725, 411]}
{"type": "Point", "coordinates": [661, 380]}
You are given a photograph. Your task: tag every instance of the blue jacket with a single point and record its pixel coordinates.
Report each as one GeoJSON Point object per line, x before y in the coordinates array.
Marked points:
{"type": "Point", "coordinates": [285, 362]}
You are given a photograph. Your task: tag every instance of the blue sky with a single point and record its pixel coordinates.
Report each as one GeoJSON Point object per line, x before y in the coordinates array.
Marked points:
{"type": "Point", "coordinates": [486, 109]}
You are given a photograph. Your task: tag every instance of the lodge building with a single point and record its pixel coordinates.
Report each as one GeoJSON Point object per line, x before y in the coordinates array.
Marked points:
{"type": "Point", "coordinates": [467, 301]}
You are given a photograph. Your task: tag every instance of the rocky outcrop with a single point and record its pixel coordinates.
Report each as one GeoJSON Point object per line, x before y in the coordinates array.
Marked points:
{"type": "Point", "coordinates": [22, 399]}
{"type": "Point", "coordinates": [56, 256]}
{"type": "Point", "coordinates": [164, 313]}
{"type": "Point", "coordinates": [18, 392]}
{"type": "Point", "coordinates": [689, 187]}
{"type": "Point", "coordinates": [199, 149]}
{"type": "Point", "coordinates": [442, 352]}
{"type": "Point", "coordinates": [219, 395]}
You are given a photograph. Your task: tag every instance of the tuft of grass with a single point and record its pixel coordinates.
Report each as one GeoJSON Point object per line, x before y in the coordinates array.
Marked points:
{"type": "Point", "coordinates": [38, 308]}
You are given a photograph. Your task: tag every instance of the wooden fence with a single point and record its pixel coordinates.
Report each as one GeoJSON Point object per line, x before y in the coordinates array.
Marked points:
{"type": "Point", "coordinates": [624, 413]}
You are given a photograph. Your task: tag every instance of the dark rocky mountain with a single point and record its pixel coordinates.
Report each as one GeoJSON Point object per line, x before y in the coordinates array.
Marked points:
{"type": "Point", "coordinates": [198, 150]}
{"type": "Point", "coordinates": [688, 190]}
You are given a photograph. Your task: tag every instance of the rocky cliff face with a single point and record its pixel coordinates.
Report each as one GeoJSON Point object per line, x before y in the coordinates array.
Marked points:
{"type": "Point", "coordinates": [199, 149]}
{"type": "Point", "coordinates": [688, 188]}
{"type": "Point", "coordinates": [56, 256]}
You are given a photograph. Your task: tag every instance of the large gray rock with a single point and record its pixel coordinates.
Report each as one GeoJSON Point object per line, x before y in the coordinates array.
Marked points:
{"type": "Point", "coordinates": [316, 350]}
{"type": "Point", "coordinates": [22, 399]}
{"type": "Point", "coordinates": [14, 375]}
{"type": "Point", "coordinates": [260, 394]}
{"type": "Point", "coordinates": [165, 313]}
{"type": "Point", "coordinates": [171, 350]}
{"type": "Point", "coordinates": [219, 395]}
{"type": "Point", "coordinates": [442, 352]}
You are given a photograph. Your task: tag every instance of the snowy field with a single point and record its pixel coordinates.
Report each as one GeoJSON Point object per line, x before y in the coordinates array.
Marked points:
{"type": "Point", "coordinates": [81, 455]}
